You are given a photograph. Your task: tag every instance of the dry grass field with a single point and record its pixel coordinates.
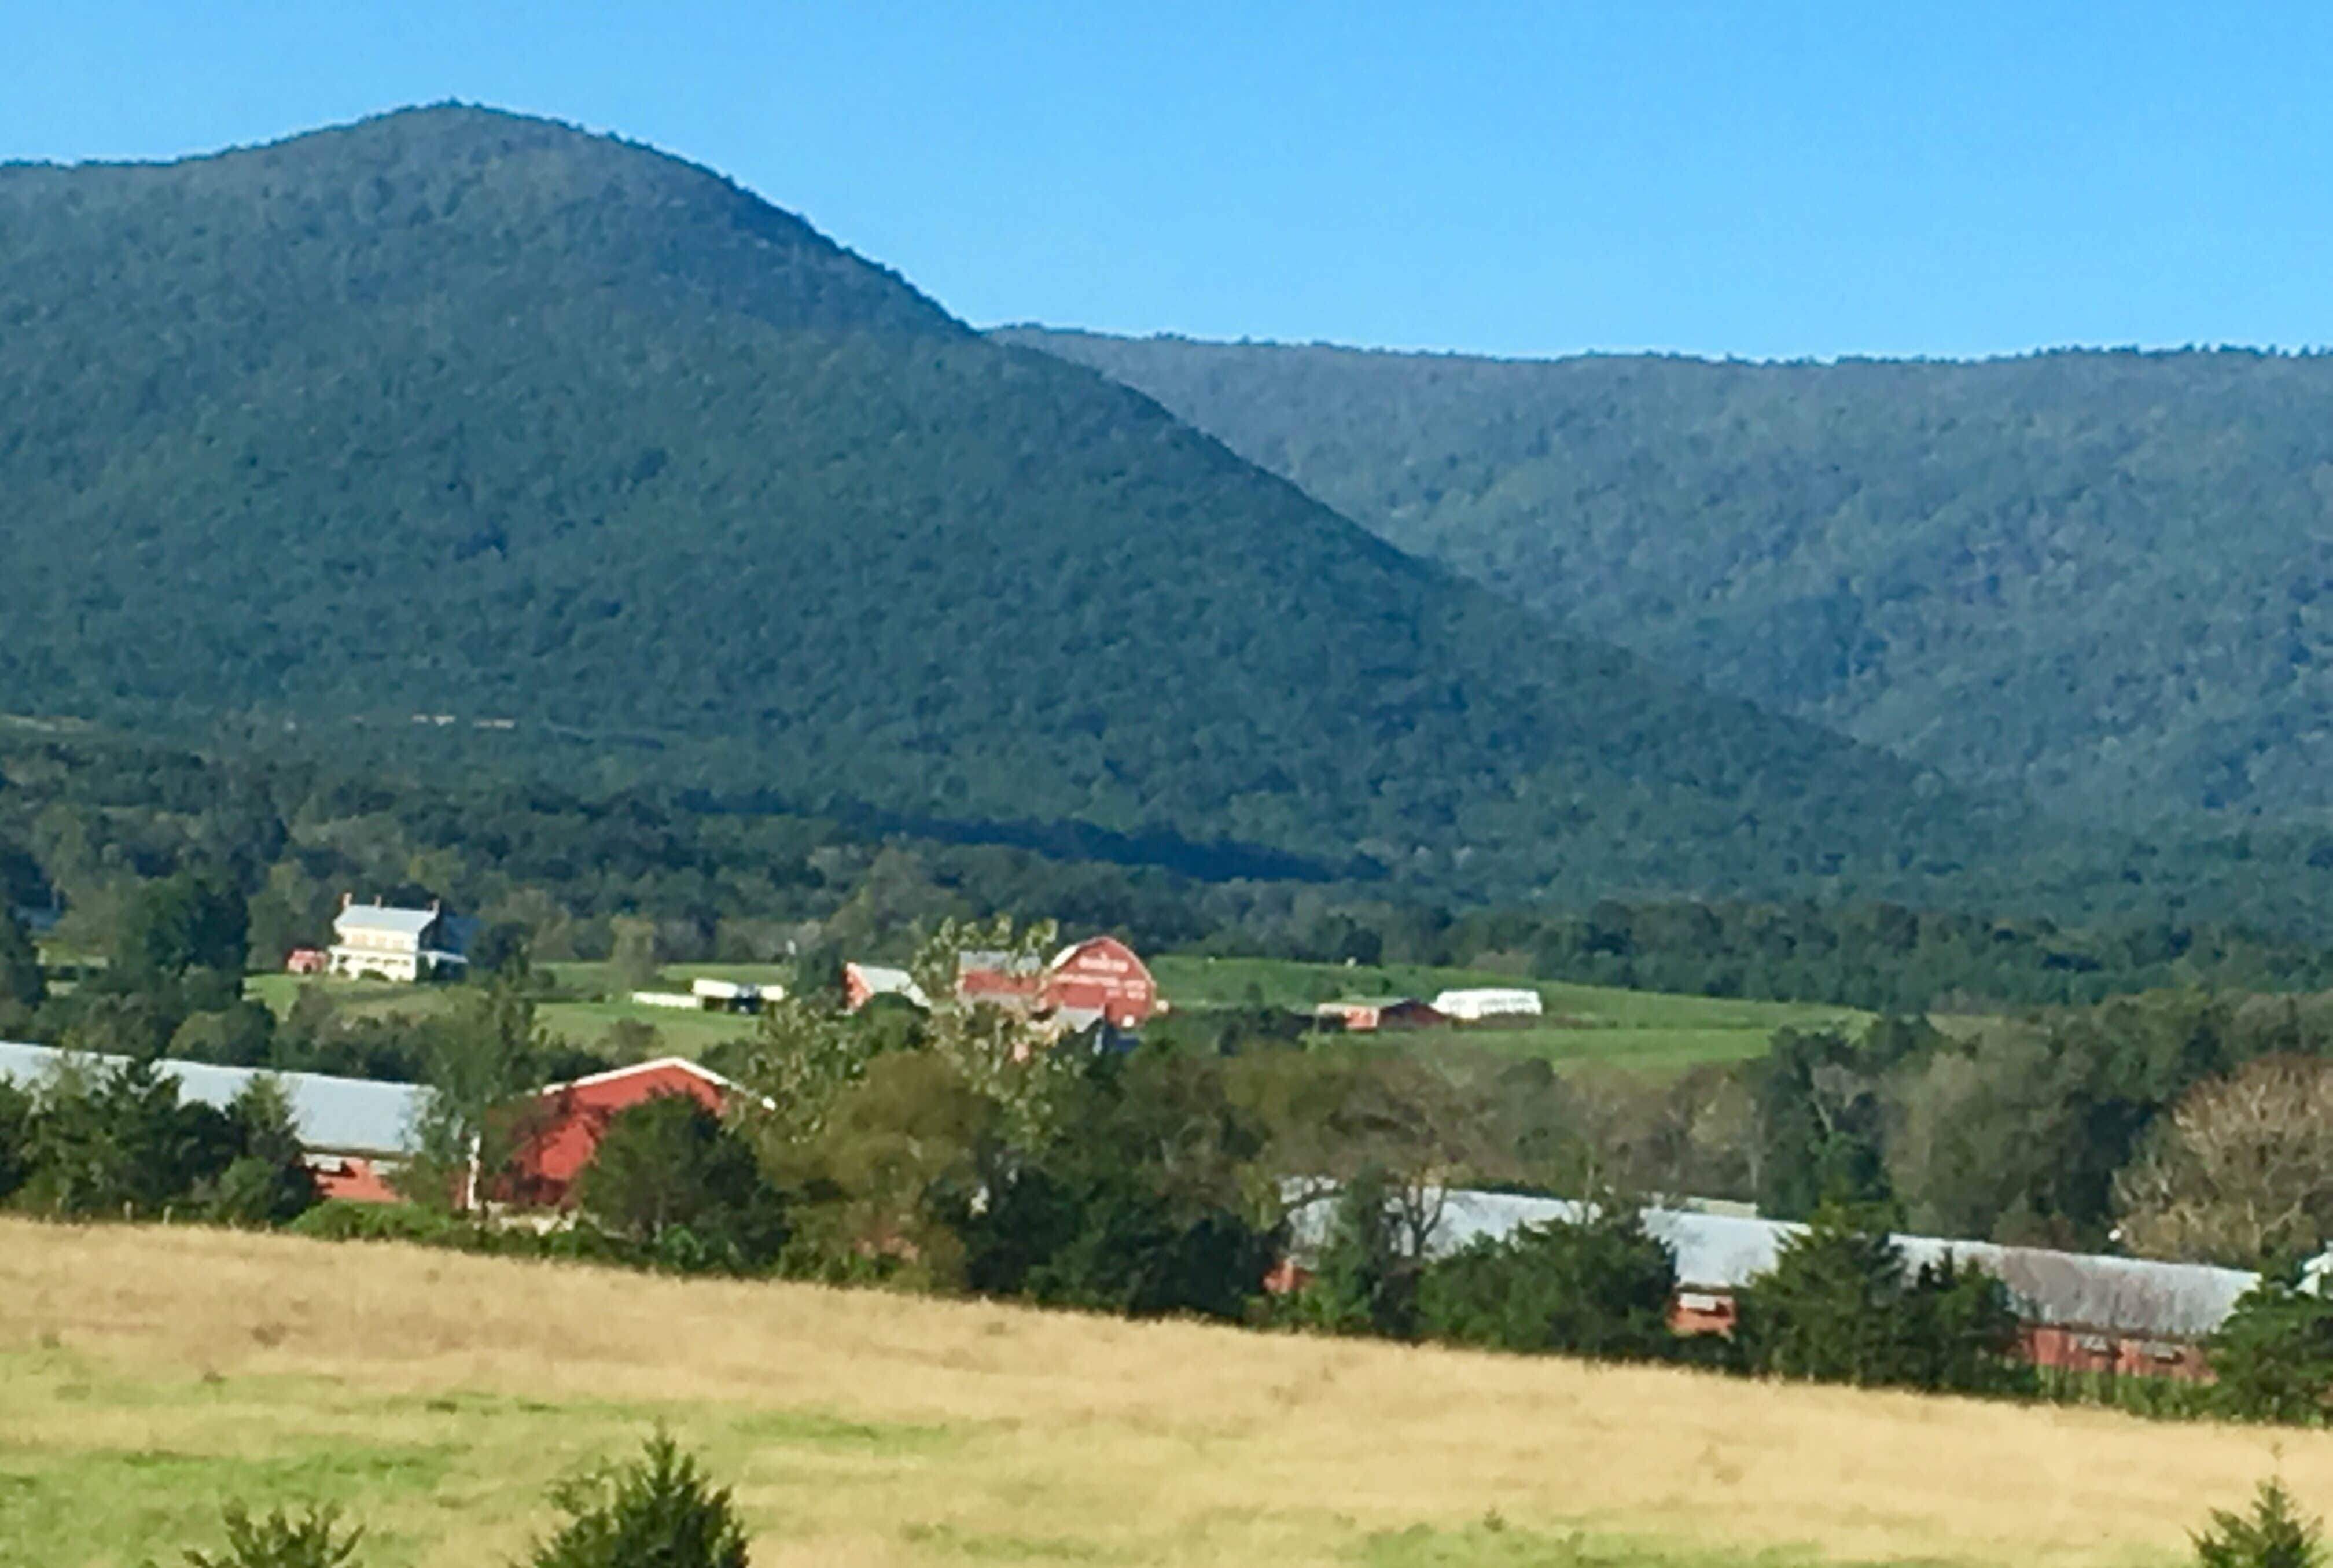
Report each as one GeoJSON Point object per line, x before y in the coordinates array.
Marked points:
{"type": "Point", "coordinates": [146, 1374]}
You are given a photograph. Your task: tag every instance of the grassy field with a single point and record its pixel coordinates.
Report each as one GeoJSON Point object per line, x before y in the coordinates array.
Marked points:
{"type": "Point", "coordinates": [1645, 1029]}
{"type": "Point", "coordinates": [146, 1375]}
{"type": "Point", "coordinates": [585, 1023]}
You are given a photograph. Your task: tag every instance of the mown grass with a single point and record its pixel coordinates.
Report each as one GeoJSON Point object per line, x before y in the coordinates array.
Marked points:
{"type": "Point", "coordinates": [147, 1375]}
{"type": "Point", "coordinates": [1655, 1031]}
{"type": "Point", "coordinates": [585, 1023]}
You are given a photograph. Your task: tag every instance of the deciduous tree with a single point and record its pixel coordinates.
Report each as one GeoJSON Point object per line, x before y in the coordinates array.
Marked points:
{"type": "Point", "coordinates": [2241, 1173]}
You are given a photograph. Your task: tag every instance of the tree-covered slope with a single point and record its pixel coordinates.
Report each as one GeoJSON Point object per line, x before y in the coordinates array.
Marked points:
{"type": "Point", "coordinates": [2107, 578]}
{"type": "Point", "coordinates": [456, 413]}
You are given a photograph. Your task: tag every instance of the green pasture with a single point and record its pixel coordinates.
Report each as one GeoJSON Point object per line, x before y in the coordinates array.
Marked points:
{"type": "Point", "coordinates": [1652, 1030]}
{"type": "Point", "coordinates": [577, 1013]}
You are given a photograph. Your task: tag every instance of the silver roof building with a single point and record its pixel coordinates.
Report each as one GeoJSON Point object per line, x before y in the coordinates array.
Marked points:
{"type": "Point", "coordinates": [334, 1115]}
{"type": "Point", "coordinates": [1723, 1253]}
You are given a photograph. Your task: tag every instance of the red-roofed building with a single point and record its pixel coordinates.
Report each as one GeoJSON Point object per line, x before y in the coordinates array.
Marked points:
{"type": "Point", "coordinates": [1102, 976]}
{"type": "Point", "coordinates": [571, 1117]}
{"type": "Point", "coordinates": [1099, 979]}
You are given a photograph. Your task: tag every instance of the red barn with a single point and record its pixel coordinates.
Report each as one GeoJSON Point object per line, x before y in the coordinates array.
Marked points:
{"type": "Point", "coordinates": [571, 1117]}
{"type": "Point", "coordinates": [1098, 979]}
{"type": "Point", "coordinates": [1102, 977]}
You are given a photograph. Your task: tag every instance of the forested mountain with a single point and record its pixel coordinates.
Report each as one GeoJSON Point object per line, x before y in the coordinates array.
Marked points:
{"type": "Point", "coordinates": [2105, 578]}
{"type": "Point", "coordinates": [459, 414]}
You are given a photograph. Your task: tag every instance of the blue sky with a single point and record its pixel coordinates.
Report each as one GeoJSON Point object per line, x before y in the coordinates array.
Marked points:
{"type": "Point", "coordinates": [1764, 181]}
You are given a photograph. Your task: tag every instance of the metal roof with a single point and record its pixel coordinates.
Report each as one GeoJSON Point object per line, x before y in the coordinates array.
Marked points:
{"type": "Point", "coordinates": [1725, 1252]}
{"type": "Point", "coordinates": [881, 981]}
{"type": "Point", "coordinates": [334, 1115]}
{"type": "Point", "coordinates": [386, 918]}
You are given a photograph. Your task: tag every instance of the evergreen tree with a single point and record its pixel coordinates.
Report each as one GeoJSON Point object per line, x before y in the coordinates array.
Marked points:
{"type": "Point", "coordinates": [1364, 1282]}
{"type": "Point", "coordinates": [2272, 1359]}
{"type": "Point", "coordinates": [1840, 1306]}
{"type": "Point", "coordinates": [660, 1509]}
{"type": "Point", "coordinates": [667, 1177]}
{"type": "Point", "coordinates": [313, 1540]}
{"type": "Point", "coordinates": [23, 983]}
{"type": "Point", "coordinates": [2273, 1534]}
{"type": "Point", "coordinates": [1597, 1287]}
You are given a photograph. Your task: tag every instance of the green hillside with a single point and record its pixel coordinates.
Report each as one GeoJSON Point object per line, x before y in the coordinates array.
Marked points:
{"type": "Point", "coordinates": [2103, 578]}
{"type": "Point", "coordinates": [465, 416]}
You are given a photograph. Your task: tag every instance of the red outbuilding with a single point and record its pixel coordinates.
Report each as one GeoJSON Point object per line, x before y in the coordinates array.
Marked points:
{"type": "Point", "coordinates": [571, 1117]}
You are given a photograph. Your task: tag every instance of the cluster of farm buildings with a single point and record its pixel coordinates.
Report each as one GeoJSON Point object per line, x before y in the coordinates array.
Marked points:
{"type": "Point", "coordinates": [2080, 1312]}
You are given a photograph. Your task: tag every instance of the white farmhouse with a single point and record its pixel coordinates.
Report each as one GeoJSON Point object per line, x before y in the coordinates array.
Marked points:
{"type": "Point", "coordinates": [379, 942]}
{"type": "Point", "coordinates": [1472, 1006]}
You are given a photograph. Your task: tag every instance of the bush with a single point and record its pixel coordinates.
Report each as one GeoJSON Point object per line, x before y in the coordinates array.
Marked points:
{"type": "Point", "coordinates": [2273, 1358]}
{"type": "Point", "coordinates": [1133, 1201]}
{"type": "Point", "coordinates": [2274, 1536]}
{"type": "Point", "coordinates": [656, 1512]}
{"type": "Point", "coordinates": [16, 1137]}
{"type": "Point", "coordinates": [671, 1182]}
{"type": "Point", "coordinates": [1841, 1306]}
{"type": "Point", "coordinates": [1600, 1287]}
{"type": "Point", "coordinates": [311, 1541]}
{"type": "Point", "coordinates": [338, 1219]}
{"type": "Point", "coordinates": [1364, 1281]}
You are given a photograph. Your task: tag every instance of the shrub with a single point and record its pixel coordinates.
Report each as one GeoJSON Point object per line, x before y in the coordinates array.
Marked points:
{"type": "Point", "coordinates": [1600, 1287]}
{"type": "Point", "coordinates": [1364, 1282]}
{"type": "Point", "coordinates": [656, 1512]}
{"type": "Point", "coordinates": [312, 1541]}
{"type": "Point", "coordinates": [2273, 1358]}
{"type": "Point", "coordinates": [669, 1179]}
{"type": "Point", "coordinates": [2274, 1534]}
{"type": "Point", "coordinates": [1841, 1306]}
{"type": "Point", "coordinates": [338, 1219]}
{"type": "Point", "coordinates": [1133, 1201]}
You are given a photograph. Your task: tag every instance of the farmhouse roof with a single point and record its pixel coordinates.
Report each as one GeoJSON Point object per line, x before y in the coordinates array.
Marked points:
{"type": "Point", "coordinates": [338, 1115]}
{"type": "Point", "coordinates": [387, 918]}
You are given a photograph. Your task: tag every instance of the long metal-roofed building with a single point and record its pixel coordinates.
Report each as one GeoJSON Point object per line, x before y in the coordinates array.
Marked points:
{"type": "Point", "coordinates": [357, 1132]}
{"type": "Point", "coordinates": [2081, 1311]}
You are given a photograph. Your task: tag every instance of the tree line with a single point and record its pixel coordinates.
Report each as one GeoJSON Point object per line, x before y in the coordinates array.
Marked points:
{"type": "Point", "coordinates": [89, 823]}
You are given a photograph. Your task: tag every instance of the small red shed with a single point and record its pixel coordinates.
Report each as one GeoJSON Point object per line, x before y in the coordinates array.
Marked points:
{"type": "Point", "coordinates": [571, 1117]}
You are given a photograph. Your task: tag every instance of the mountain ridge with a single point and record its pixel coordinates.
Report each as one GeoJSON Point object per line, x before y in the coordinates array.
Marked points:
{"type": "Point", "coordinates": [2099, 576]}
{"type": "Point", "coordinates": [452, 411]}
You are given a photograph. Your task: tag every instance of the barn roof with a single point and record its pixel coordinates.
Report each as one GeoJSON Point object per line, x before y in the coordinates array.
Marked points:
{"type": "Point", "coordinates": [697, 1070]}
{"type": "Point", "coordinates": [1726, 1251]}
{"type": "Point", "coordinates": [1104, 940]}
{"type": "Point", "coordinates": [882, 980]}
{"type": "Point", "coordinates": [337, 1115]}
